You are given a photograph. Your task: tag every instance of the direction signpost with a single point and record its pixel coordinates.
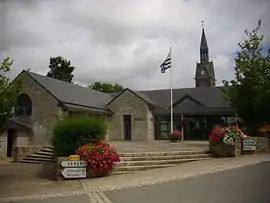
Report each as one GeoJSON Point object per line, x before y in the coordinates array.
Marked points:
{"type": "Point", "coordinates": [74, 172]}
{"type": "Point", "coordinates": [73, 168]}
{"type": "Point", "coordinates": [249, 145]}
{"type": "Point", "coordinates": [73, 164]}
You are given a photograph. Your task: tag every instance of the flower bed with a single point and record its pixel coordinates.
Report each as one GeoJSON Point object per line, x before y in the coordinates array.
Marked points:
{"type": "Point", "coordinates": [100, 158]}
{"type": "Point", "coordinates": [226, 141]}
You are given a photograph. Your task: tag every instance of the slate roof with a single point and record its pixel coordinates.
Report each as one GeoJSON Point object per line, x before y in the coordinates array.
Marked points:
{"type": "Point", "coordinates": [69, 93]}
{"type": "Point", "coordinates": [200, 100]}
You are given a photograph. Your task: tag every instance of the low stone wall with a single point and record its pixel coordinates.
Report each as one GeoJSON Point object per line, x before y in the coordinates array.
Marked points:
{"type": "Point", "coordinates": [222, 150]}
{"type": "Point", "coordinates": [268, 140]}
{"type": "Point", "coordinates": [20, 152]}
{"type": "Point", "coordinates": [261, 144]}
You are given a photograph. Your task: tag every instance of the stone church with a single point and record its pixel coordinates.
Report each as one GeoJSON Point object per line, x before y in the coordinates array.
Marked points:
{"type": "Point", "coordinates": [130, 115]}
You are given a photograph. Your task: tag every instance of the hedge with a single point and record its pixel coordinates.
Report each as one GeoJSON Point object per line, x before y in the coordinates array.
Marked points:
{"type": "Point", "coordinates": [73, 132]}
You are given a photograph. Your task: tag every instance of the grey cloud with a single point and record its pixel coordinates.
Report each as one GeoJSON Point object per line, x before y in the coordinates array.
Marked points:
{"type": "Point", "coordinates": [125, 41]}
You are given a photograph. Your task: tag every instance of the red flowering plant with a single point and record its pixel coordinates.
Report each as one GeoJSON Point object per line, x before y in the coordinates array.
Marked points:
{"type": "Point", "coordinates": [225, 135]}
{"type": "Point", "coordinates": [99, 157]}
{"type": "Point", "coordinates": [175, 135]}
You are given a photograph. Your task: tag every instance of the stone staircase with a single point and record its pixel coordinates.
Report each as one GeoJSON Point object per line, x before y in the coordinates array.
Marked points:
{"type": "Point", "coordinates": [45, 155]}
{"type": "Point", "coordinates": [149, 160]}
{"type": "Point", "coordinates": [132, 161]}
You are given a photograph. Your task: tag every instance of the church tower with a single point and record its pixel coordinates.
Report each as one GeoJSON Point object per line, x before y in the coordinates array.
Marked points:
{"type": "Point", "coordinates": [205, 73]}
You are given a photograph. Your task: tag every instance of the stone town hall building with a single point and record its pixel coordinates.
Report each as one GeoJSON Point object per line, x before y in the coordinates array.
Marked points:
{"type": "Point", "coordinates": [130, 115]}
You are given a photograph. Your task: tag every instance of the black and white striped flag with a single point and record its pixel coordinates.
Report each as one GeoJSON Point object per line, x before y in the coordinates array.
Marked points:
{"type": "Point", "coordinates": [167, 63]}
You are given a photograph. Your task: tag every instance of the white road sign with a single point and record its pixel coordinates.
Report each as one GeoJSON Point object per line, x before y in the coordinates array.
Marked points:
{"type": "Point", "coordinates": [72, 164]}
{"type": "Point", "coordinates": [249, 142]}
{"type": "Point", "coordinates": [74, 172]}
{"type": "Point", "coordinates": [249, 148]}
{"type": "Point", "coordinates": [249, 145]}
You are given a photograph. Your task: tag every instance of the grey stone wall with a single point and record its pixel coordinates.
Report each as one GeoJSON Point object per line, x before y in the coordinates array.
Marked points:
{"type": "Point", "coordinates": [141, 123]}
{"type": "Point", "coordinates": [19, 152]}
{"type": "Point", "coordinates": [3, 145]}
{"type": "Point", "coordinates": [261, 144]}
{"type": "Point", "coordinates": [23, 138]}
{"type": "Point", "coordinates": [151, 126]}
{"type": "Point", "coordinates": [45, 110]}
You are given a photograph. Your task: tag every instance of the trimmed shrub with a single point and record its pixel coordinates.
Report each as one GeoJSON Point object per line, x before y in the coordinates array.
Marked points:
{"type": "Point", "coordinates": [71, 133]}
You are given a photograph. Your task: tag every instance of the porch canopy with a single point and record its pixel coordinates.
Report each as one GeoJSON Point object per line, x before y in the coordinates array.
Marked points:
{"type": "Point", "coordinates": [16, 124]}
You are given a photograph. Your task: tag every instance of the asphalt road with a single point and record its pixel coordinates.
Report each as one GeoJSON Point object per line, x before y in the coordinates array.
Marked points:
{"type": "Point", "coordinates": [244, 185]}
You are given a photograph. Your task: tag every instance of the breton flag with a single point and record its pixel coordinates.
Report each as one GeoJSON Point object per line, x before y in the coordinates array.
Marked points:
{"type": "Point", "coordinates": [167, 62]}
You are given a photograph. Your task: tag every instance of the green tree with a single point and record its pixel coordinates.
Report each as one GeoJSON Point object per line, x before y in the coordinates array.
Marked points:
{"type": "Point", "coordinates": [61, 69]}
{"type": "Point", "coordinates": [249, 92]}
{"type": "Point", "coordinates": [8, 92]}
{"type": "Point", "coordinates": [106, 87]}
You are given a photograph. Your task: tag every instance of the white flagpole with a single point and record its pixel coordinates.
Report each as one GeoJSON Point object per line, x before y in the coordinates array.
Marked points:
{"type": "Point", "coordinates": [171, 92]}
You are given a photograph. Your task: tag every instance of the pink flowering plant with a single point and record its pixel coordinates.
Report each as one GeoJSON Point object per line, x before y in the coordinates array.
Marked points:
{"type": "Point", "coordinates": [225, 135]}
{"type": "Point", "coordinates": [99, 157]}
{"type": "Point", "coordinates": [175, 135]}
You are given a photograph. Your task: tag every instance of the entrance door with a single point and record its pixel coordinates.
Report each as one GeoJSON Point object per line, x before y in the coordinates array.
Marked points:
{"type": "Point", "coordinates": [127, 127]}
{"type": "Point", "coordinates": [10, 141]}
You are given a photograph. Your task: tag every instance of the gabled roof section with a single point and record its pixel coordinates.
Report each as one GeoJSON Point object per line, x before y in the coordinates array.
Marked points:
{"type": "Point", "coordinates": [189, 99]}
{"type": "Point", "coordinates": [140, 95]}
{"type": "Point", "coordinates": [188, 105]}
{"type": "Point", "coordinates": [69, 93]}
{"type": "Point", "coordinates": [208, 96]}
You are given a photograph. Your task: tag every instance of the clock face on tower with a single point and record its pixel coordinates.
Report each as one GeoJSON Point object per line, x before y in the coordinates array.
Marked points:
{"type": "Point", "coordinates": [202, 72]}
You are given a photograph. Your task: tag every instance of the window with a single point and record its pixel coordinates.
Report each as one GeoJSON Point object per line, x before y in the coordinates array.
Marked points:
{"type": "Point", "coordinates": [24, 106]}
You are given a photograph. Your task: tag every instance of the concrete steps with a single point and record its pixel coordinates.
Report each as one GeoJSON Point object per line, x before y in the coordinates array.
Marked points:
{"type": "Point", "coordinates": [161, 153]}
{"type": "Point", "coordinates": [131, 162]}
{"type": "Point", "coordinates": [139, 168]}
{"type": "Point", "coordinates": [45, 155]}
{"type": "Point", "coordinates": [169, 157]}
{"type": "Point", "coordinates": [156, 162]}
{"type": "Point", "coordinates": [149, 160]}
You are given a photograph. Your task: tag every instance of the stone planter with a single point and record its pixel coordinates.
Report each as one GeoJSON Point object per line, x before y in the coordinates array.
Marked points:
{"type": "Point", "coordinates": [223, 150]}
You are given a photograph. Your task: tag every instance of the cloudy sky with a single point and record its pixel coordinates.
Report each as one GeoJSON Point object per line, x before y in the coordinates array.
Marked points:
{"type": "Point", "coordinates": [125, 41]}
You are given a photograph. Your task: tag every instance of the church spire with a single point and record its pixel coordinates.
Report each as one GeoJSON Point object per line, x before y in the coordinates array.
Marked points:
{"type": "Point", "coordinates": [204, 51]}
